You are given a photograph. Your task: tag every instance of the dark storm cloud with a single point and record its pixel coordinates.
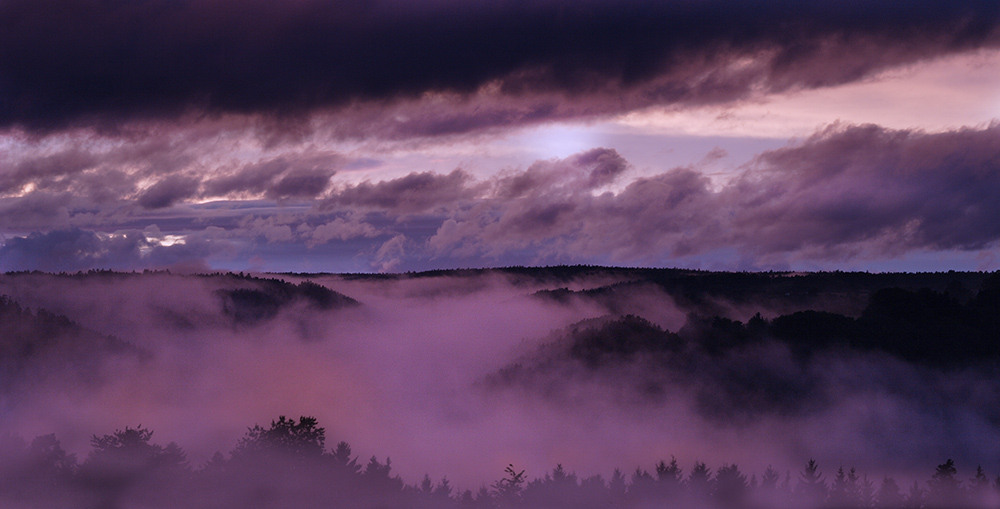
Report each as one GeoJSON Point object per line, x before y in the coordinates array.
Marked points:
{"type": "Point", "coordinates": [35, 210]}
{"type": "Point", "coordinates": [86, 61]}
{"type": "Point", "coordinates": [297, 177]}
{"type": "Point", "coordinates": [47, 171]}
{"type": "Point", "coordinates": [168, 191]}
{"type": "Point", "coordinates": [895, 189]}
{"type": "Point", "coordinates": [584, 171]}
{"type": "Point", "coordinates": [416, 192]}
{"type": "Point", "coordinates": [301, 184]}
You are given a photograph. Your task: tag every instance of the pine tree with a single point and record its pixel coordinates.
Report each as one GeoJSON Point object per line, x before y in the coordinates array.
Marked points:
{"type": "Point", "coordinates": [812, 488]}
{"type": "Point", "coordinates": [943, 488]}
{"type": "Point", "coordinates": [888, 495]}
{"type": "Point", "coordinates": [730, 486]}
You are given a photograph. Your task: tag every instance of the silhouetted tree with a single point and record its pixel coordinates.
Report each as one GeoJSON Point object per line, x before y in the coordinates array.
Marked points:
{"type": "Point", "coordinates": [730, 487]}
{"type": "Point", "coordinates": [669, 479]}
{"type": "Point", "coordinates": [442, 492]}
{"type": "Point", "coordinates": [302, 439]}
{"type": "Point", "coordinates": [838, 489]}
{"type": "Point", "coordinates": [620, 339]}
{"type": "Point", "coordinates": [980, 488]}
{"type": "Point", "coordinates": [507, 491]}
{"type": "Point", "coordinates": [593, 492]}
{"type": "Point", "coordinates": [943, 488]}
{"type": "Point", "coordinates": [127, 458]}
{"type": "Point", "coordinates": [812, 489]}
{"type": "Point", "coordinates": [125, 469]}
{"type": "Point", "coordinates": [556, 488]}
{"type": "Point", "coordinates": [888, 495]}
{"type": "Point", "coordinates": [866, 491]}
{"type": "Point", "coordinates": [699, 482]}
{"type": "Point", "coordinates": [41, 472]}
{"type": "Point", "coordinates": [379, 486]}
{"type": "Point", "coordinates": [845, 490]}
{"type": "Point", "coordinates": [769, 479]}
{"type": "Point", "coordinates": [47, 460]}
{"type": "Point", "coordinates": [130, 451]}
{"type": "Point", "coordinates": [217, 465]}
{"type": "Point", "coordinates": [430, 495]}
{"type": "Point", "coordinates": [915, 497]}
{"type": "Point", "coordinates": [642, 487]}
{"type": "Point", "coordinates": [617, 488]}
{"type": "Point", "coordinates": [341, 457]}
{"type": "Point", "coordinates": [483, 499]}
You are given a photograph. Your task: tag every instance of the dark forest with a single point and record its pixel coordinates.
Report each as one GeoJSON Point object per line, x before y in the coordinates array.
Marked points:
{"type": "Point", "coordinates": [667, 365]}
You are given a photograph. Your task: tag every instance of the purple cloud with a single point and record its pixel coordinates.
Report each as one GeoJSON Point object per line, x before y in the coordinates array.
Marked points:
{"type": "Point", "coordinates": [845, 192]}
{"type": "Point", "coordinates": [341, 229]}
{"type": "Point", "coordinates": [283, 177]}
{"type": "Point", "coordinates": [413, 193]}
{"type": "Point", "coordinates": [896, 190]}
{"type": "Point", "coordinates": [301, 184]}
{"type": "Point", "coordinates": [168, 191]}
{"type": "Point", "coordinates": [97, 62]}
{"type": "Point", "coordinates": [47, 172]}
{"type": "Point", "coordinates": [35, 210]}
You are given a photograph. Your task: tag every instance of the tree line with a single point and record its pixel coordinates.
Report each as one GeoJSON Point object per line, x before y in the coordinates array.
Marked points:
{"type": "Point", "coordinates": [950, 329]}
{"type": "Point", "coordinates": [288, 464]}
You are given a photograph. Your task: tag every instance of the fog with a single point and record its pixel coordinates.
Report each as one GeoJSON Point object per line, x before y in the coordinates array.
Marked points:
{"type": "Point", "coordinates": [421, 369]}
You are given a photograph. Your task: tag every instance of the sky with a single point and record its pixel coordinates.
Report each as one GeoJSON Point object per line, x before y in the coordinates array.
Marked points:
{"type": "Point", "coordinates": [396, 135]}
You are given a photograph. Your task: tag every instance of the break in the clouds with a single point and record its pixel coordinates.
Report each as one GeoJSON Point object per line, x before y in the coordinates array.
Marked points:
{"type": "Point", "coordinates": [463, 65]}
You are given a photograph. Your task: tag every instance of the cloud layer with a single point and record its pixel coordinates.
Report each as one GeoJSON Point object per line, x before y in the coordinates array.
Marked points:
{"type": "Point", "coordinates": [848, 192]}
{"type": "Point", "coordinates": [462, 65]}
{"type": "Point", "coordinates": [397, 135]}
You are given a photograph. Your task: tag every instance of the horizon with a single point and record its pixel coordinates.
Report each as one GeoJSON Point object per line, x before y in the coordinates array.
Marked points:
{"type": "Point", "coordinates": [184, 271]}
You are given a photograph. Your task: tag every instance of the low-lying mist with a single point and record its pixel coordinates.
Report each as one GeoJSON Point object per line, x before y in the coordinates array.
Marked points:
{"type": "Point", "coordinates": [459, 374]}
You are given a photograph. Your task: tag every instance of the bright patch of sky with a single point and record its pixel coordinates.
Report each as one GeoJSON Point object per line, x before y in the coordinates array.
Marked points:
{"type": "Point", "coordinates": [945, 94]}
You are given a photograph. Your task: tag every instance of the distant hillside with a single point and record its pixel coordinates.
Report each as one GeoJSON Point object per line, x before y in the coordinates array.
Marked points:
{"type": "Point", "coordinates": [36, 346]}
{"type": "Point", "coordinates": [263, 298]}
{"type": "Point", "coordinates": [785, 364]}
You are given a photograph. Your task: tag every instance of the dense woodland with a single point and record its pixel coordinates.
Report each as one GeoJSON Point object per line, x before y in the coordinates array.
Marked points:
{"type": "Point", "coordinates": [936, 324]}
{"type": "Point", "coordinates": [946, 329]}
{"type": "Point", "coordinates": [288, 464]}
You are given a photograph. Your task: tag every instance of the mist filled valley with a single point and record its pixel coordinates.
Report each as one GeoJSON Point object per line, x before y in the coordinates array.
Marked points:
{"type": "Point", "coordinates": [546, 387]}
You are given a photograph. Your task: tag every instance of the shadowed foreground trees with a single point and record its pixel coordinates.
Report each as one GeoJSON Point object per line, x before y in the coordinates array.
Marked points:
{"type": "Point", "coordinates": [288, 465]}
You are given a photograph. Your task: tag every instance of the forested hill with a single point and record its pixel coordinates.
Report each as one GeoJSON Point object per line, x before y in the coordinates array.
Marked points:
{"type": "Point", "coordinates": [36, 346]}
{"type": "Point", "coordinates": [889, 373]}
{"type": "Point", "coordinates": [923, 326]}
{"type": "Point", "coordinates": [845, 292]}
{"type": "Point", "coordinates": [938, 350]}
